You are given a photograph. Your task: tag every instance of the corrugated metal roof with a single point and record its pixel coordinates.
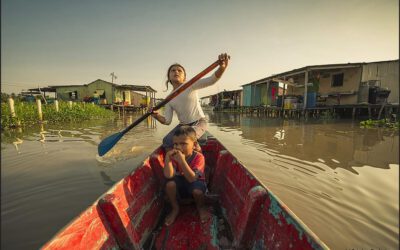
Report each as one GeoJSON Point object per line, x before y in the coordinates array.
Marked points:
{"type": "Point", "coordinates": [140, 88]}
{"type": "Point", "coordinates": [44, 89]}
{"type": "Point", "coordinates": [314, 67]}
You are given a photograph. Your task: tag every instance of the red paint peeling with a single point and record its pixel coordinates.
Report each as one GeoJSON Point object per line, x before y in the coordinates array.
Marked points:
{"type": "Point", "coordinates": [273, 233]}
{"type": "Point", "coordinates": [127, 214]}
{"type": "Point", "coordinates": [187, 232]}
{"type": "Point", "coordinates": [86, 232]}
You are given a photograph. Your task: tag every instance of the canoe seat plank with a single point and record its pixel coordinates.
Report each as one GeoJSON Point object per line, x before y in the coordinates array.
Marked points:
{"type": "Point", "coordinates": [240, 195]}
{"type": "Point", "coordinates": [133, 207]}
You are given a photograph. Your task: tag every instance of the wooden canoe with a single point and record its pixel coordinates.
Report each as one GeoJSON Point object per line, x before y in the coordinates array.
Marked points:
{"type": "Point", "coordinates": [244, 213]}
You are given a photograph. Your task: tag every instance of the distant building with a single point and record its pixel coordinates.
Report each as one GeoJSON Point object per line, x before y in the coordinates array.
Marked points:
{"type": "Point", "coordinates": [226, 98]}
{"type": "Point", "coordinates": [105, 92]}
{"type": "Point", "coordinates": [206, 100]}
{"type": "Point", "coordinates": [331, 84]}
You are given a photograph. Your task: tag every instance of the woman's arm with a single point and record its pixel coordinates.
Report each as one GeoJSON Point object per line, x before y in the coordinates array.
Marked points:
{"type": "Point", "coordinates": [223, 63]}
{"type": "Point", "coordinates": [158, 117]}
{"type": "Point", "coordinates": [166, 120]}
{"type": "Point", "coordinates": [205, 82]}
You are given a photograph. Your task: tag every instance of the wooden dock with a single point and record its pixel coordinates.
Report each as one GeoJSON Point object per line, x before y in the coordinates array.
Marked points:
{"type": "Point", "coordinates": [355, 111]}
{"type": "Point", "coordinates": [124, 108]}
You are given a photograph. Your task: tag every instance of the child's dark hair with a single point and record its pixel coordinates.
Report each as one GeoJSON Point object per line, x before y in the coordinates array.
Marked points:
{"type": "Point", "coordinates": [186, 131]}
{"type": "Point", "coordinates": [170, 67]}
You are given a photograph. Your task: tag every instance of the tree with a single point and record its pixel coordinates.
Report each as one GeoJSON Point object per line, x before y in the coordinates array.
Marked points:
{"type": "Point", "coordinates": [4, 97]}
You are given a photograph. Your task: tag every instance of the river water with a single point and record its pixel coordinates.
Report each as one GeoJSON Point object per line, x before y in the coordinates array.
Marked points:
{"type": "Point", "coordinates": [340, 180]}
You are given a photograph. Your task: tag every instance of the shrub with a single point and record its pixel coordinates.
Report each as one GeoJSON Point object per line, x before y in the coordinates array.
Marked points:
{"type": "Point", "coordinates": [27, 113]}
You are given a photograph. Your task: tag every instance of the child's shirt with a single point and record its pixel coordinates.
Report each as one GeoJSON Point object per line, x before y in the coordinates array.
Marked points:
{"type": "Point", "coordinates": [196, 162]}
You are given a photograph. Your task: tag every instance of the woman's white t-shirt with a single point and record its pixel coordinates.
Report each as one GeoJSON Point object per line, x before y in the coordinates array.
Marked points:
{"type": "Point", "coordinates": [187, 104]}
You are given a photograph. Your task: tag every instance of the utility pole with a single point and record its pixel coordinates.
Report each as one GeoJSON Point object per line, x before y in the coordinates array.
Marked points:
{"type": "Point", "coordinates": [113, 76]}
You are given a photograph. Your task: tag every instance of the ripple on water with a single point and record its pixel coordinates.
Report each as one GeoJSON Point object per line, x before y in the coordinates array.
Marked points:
{"type": "Point", "coordinates": [328, 174]}
{"type": "Point", "coordinates": [340, 180]}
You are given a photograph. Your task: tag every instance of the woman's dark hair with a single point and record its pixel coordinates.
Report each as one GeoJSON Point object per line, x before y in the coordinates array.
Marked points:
{"type": "Point", "coordinates": [170, 67]}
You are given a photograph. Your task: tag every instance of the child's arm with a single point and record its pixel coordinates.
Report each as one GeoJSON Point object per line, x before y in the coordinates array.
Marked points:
{"type": "Point", "coordinates": [169, 171]}
{"type": "Point", "coordinates": [184, 166]}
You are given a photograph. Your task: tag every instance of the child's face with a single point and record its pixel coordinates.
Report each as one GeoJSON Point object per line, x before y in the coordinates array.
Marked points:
{"type": "Point", "coordinates": [183, 143]}
{"type": "Point", "coordinates": [176, 74]}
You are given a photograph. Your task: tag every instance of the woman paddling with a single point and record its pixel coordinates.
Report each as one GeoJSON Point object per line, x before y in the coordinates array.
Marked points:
{"type": "Point", "coordinates": [187, 105]}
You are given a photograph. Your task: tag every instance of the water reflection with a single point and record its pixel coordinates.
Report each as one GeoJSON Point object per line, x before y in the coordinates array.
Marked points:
{"type": "Point", "coordinates": [50, 173]}
{"type": "Point", "coordinates": [16, 143]}
{"type": "Point", "coordinates": [106, 179]}
{"type": "Point", "coordinates": [91, 132]}
{"type": "Point", "coordinates": [328, 172]}
{"type": "Point", "coordinates": [336, 144]}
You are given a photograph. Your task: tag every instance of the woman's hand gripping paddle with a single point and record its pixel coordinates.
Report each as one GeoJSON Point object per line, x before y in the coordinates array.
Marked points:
{"type": "Point", "coordinates": [109, 142]}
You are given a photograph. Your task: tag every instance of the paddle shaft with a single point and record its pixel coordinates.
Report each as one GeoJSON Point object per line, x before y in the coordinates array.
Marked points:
{"type": "Point", "coordinates": [109, 142]}
{"type": "Point", "coordinates": [173, 95]}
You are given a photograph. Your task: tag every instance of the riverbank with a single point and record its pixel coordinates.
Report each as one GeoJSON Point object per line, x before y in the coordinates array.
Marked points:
{"type": "Point", "coordinates": [26, 114]}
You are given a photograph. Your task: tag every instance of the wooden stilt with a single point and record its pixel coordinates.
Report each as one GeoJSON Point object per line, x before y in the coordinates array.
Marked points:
{"type": "Point", "coordinates": [39, 107]}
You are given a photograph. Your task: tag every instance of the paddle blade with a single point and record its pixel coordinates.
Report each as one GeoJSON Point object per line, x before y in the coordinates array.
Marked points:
{"type": "Point", "coordinates": [108, 143]}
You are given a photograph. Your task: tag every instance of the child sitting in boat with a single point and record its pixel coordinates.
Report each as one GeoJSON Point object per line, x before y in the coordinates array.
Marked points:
{"type": "Point", "coordinates": [184, 171]}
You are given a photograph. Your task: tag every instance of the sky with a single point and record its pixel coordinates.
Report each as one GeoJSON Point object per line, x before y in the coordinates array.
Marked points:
{"type": "Point", "coordinates": [60, 42]}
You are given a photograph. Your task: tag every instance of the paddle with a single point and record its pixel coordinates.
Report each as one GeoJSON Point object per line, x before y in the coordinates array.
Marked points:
{"type": "Point", "coordinates": [111, 140]}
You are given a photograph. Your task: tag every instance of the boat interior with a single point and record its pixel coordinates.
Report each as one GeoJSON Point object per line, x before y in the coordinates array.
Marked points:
{"type": "Point", "coordinates": [243, 213]}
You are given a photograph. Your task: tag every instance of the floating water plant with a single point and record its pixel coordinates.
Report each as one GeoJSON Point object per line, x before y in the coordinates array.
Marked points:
{"type": "Point", "coordinates": [386, 123]}
{"type": "Point", "coordinates": [28, 113]}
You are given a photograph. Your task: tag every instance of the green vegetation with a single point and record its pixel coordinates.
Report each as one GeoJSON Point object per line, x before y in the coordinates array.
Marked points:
{"type": "Point", "coordinates": [327, 115]}
{"type": "Point", "coordinates": [27, 113]}
{"type": "Point", "coordinates": [315, 85]}
{"type": "Point", "coordinates": [386, 123]}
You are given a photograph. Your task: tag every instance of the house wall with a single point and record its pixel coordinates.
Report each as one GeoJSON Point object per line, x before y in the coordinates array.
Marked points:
{"type": "Point", "coordinates": [266, 93]}
{"type": "Point", "coordinates": [128, 97]}
{"type": "Point", "coordinates": [252, 95]}
{"type": "Point", "coordinates": [205, 101]}
{"type": "Point", "coordinates": [136, 98]}
{"type": "Point", "coordinates": [387, 73]}
{"type": "Point", "coordinates": [273, 93]}
{"type": "Point", "coordinates": [260, 94]}
{"type": "Point", "coordinates": [63, 93]}
{"type": "Point", "coordinates": [291, 90]}
{"type": "Point", "coordinates": [256, 95]}
{"type": "Point", "coordinates": [101, 85]}
{"type": "Point", "coordinates": [234, 95]}
{"type": "Point", "coordinates": [112, 92]}
{"type": "Point", "coordinates": [132, 97]}
{"type": "Point", "coordinates": [247, 95]}
{"type": "Point", "coordinates": [239, 98]}
{"type": "Point", "coordinates": [118, 96]}
{"type": "Point", "coordinates": [351, 82]}
{"type": "Point", "coordinates": [263, 94]}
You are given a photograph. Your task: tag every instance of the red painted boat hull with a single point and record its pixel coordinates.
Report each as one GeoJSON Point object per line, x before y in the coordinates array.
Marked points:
{"type": "Point", "coordinates": [130, 215]}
